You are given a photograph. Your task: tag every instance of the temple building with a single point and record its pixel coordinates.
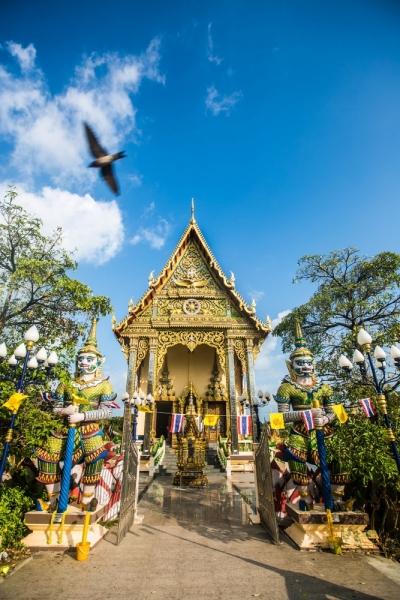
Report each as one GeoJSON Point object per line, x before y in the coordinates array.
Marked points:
{"type": "Point", "coordinates": [192, 333]}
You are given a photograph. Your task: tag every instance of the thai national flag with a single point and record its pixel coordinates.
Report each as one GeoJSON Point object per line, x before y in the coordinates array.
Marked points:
{"type": "Point", "coordinates": [176, 423]}
{"type": "Point", "coordinates": [111, 404]}
{"type": "Point", "coordinates": [244, 425]}
{"type": "Point", "coordinates": [368, 407]}
{"type": "Point", "coordinates": [46, 397]}
{"type": "Point", "coordinates": [308, 419]}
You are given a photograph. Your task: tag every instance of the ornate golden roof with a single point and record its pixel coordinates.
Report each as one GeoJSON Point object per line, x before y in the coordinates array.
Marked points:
{"type": "Point", "coordinates": [192, 282]}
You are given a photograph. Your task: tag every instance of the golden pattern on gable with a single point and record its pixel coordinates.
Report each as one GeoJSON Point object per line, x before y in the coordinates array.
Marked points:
{"type": "Point", "coordinates": [192, 272]}
{"type": "Point", "coordinates": [191, 339]}
{"type": "Point", "coordinates": [189, 307]}
{"type": "Point", "coordinates": [147, 313]}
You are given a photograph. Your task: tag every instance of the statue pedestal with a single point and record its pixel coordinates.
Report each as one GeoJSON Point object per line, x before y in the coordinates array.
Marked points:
{"type": "Point", "coordinates": [39, 524]}
{"type": "Point", "coordinates": [310, 531]}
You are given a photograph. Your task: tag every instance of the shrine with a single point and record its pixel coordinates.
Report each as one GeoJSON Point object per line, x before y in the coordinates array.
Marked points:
{"type": "Point", "coordinates": [191, 337]}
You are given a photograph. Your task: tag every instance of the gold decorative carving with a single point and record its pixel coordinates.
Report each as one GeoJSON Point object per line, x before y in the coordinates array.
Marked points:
{"type": "Point", "coordinates": [257, 348]}
{"type": "Point", "coordinates": [192, 307]}
{"type": "Point", "coordinates": [142, 350]}
{"type": "Point", "coordinates": [192, 272]}
{"type": "Point", "coordinates": [191, 339]}
{"type": "Point", "coordinates": [241, 353]}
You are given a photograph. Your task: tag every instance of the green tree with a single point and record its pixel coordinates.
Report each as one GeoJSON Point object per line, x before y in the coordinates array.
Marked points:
{"type": "Point", "coordinates": [36, 288]}
{"type": "Point", "coordinates": [353, 291]}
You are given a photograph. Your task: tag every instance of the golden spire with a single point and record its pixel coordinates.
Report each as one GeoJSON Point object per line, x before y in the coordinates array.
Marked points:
{"type": "Point", "coordinates": [92, 338]}
{"type": "Point", "coordinates": [193, 220]}
{"type": "Point", "coordinates": [131, 305]}
{"type": "Point", "coordinates": [300, 343]}
{"type": "Point", "coordinates": [298, 332]}
{"type": "Point", "coordinates": [91, 341]}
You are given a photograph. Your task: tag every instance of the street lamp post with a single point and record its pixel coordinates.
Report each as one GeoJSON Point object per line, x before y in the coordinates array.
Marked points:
{"type": "Point", "coordinates": [262, 399]}
{"type": "Point", "coordinates": [37, 365]}
{"type": "Point", "coordinates": [365, 340]}
{"type": "Point", "coordinates": [147, 401]}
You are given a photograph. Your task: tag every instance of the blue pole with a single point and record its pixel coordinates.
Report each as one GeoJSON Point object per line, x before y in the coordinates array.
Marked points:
{"type": "Point", "coordinates": [18, 388]}
{"type": "Point", "coordinates": [325, 476]}
{"type": "Point", "coordinates": [7, 445]}
{"type": "Point", "coordinates": [323, 463]}
{"type": "Point", "coordinates": [66, 474]}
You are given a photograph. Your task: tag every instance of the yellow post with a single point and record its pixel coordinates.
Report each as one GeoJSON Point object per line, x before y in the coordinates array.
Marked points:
{"type": "Point", "coordinates": [83, 547]}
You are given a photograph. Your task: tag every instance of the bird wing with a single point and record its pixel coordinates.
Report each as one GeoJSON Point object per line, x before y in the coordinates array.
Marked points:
{"type": "Point", "coordinates": [107, 174]}
{"type": "Point", "coordinates": [93, 142]}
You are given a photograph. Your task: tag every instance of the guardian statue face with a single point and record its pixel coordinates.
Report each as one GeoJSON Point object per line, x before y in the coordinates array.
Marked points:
{"type": "Point", "coordinates": [87, 363]}
{"type": "Point", "coordinates": [303, 366]}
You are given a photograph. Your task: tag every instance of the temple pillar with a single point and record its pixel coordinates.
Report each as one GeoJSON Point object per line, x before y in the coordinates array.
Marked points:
{"type": "Point", "coordinates": [251, 385]}
{"type": "Point", "coordinates": [131, 375]}
{"type": "Point", "coordinates": [232, 397]}
{"type": "Point", "coordinates": [150, 388]}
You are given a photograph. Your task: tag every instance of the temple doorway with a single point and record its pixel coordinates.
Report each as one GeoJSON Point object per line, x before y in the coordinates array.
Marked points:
{"type": "Point", "coordinates": [163, 418]}
{"type": "Point", "coordinates": [212, 432]}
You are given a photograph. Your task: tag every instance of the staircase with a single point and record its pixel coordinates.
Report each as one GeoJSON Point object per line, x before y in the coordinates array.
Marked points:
{"type": "Point", "coordinates": [169, 468]}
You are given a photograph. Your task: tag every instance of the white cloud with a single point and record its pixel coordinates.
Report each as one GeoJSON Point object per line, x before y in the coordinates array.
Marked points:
{"type": "Point", "coordinates": [25, 56]}
{"type": "Point", "coordinates": [95, 229]}
{"type": "Point", "coordinates": [154, 236]}
{"type": "Point", "coordinates": [210, 48]}
{"type": "Point", "coordinates": [270, 365]}
{"type": "Point", "coordinates": [217, 104]}
{"type": "Point", "coordinates": [136, 180]}
{"type": "Point", "coordinates": [46, 131]}
{"type": "Point", "coordinates": [256, 294]}
{"type": "Point", "coordinates": [148, 211]}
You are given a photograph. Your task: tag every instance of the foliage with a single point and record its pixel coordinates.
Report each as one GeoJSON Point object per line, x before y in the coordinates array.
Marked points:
{"type": "Point", "coordinates": [353, 291]}
{"type": "Point", "coordinates": [36, 289]}
{"type": "Point", "coordinates": [14, 503]}
{"type": "Point", "coordinates": [362, 448]}
{"type": "Point", "coordinates": [33, 425]}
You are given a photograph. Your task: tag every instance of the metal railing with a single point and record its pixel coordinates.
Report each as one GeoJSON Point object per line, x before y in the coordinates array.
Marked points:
{"type": "Point", "coordinates": [130, 483]}
{"type": "Point", "coordinates": [265, 497]}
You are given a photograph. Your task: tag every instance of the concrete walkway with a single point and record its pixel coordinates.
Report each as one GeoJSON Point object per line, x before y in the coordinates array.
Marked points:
{"type": "Point", "coordinates": [197, 544]}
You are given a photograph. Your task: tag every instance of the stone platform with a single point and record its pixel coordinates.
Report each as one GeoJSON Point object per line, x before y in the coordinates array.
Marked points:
{"type": "Point", "coordinates": [44, 537]}
{"type": "Point", "coordinates": [310, 531]}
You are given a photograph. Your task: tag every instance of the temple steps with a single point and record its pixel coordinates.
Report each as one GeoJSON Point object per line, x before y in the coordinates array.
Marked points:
{"type": "Point", "coordinates": [169, 468]}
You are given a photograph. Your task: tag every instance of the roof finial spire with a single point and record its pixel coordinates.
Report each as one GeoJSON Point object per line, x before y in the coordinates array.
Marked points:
{"type": "Point", "coordinates": [193, 220]}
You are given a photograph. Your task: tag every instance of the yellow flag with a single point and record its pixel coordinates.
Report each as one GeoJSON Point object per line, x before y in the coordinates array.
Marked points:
{"type": "Point", "coordinates": [340, 412]}
{"type": "Point", "coordinates": [210, 420]}
{"type": "Point", "coordinates": [76, 400]}
{"type": "Point", "coordinates": [277, 421]}
{"type": "Point", "coordinates": [144, 409]}
{"type": "Point", "coordinates": [14, 401]}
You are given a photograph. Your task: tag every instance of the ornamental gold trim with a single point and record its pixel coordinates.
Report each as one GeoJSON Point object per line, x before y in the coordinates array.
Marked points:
{"type": "Point", "coordinates": [190, 339]}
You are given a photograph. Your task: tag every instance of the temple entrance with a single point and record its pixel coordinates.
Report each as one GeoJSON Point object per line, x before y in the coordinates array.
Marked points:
{"type": "Point", "coordinates": [163, 418]}
{"type": "Point", "coordinates": [212, 432]}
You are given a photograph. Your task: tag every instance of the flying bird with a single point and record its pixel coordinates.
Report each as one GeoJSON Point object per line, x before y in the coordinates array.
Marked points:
{"type": "Point", "coordinates": [103, 160]}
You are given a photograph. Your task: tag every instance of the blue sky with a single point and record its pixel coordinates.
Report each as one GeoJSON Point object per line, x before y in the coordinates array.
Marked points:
{"type": "Point", "coordinates": [281, 118]}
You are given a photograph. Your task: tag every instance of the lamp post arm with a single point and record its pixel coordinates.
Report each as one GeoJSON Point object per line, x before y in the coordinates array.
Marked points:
{"type": "Point", "coordinates": [20, 386]}
{"type": "Point", "coordinates": [371, 364]}
{"type": "Point", "coordinates": [4, 378]}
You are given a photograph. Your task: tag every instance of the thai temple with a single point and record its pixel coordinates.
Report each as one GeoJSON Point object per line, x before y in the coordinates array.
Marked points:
{"type": "Point", "coordinates": [191, 335]}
